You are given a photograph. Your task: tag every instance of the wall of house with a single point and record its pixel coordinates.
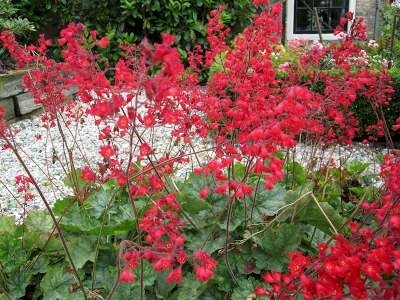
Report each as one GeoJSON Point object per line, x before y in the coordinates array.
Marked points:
{"type": "Point", "coordinates": [367, 9]}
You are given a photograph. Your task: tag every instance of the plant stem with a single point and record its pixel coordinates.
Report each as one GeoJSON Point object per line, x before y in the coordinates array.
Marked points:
{"type": "Point", "coordinates": [228, 220]}
{"type": "Point", "coordinates": [135, 211]}
{"type": "Point", "coordinates": [324, 214]}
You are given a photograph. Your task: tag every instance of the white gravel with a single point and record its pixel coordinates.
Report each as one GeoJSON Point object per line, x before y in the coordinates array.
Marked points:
{"type": "Point", "coordinates": [45, 158]}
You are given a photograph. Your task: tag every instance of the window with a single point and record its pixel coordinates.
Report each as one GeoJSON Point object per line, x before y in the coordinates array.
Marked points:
{"type": "Point", "coordinates": [329, 12]}
{"type": "Point", "coordinates": [301, 19]}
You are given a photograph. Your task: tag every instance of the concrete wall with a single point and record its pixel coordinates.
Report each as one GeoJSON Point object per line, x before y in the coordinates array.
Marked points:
{"type": "Point", "coordinates": [367, 9]}
{"type": "Point", "coordinates": [13, 98]}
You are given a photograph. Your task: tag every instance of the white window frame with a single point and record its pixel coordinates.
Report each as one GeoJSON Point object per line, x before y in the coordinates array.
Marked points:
{"type": "Point", "coordinates": [308, 36]}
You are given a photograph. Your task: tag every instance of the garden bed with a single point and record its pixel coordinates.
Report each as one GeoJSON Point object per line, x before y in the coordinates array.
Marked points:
{"type": "Point", "coordinates": [155, 189]}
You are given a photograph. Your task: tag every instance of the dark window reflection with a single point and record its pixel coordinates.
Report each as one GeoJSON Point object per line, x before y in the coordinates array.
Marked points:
{"type": "Point", "coordinates": [329, 13]}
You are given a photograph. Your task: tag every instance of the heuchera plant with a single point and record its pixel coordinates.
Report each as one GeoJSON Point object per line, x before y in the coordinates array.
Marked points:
{"type": "Point", "coordinates": [250, 111]}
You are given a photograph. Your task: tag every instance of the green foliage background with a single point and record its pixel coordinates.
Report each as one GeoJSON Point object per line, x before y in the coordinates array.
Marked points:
{"type": "Point", "coordinates": [131, 20]}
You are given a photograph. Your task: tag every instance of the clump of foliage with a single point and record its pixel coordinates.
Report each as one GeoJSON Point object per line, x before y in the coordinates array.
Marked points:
{"type": "Point", "coordinates": [247, 221]}
{"type": "Point", "coordinates": [8, 20]}
{"type": "Point", "coordinates": [19, 26]}
{"type": "Point", "coordinates": [129, 21]}
{"type": "Point", "coordinates": [383, 51]}
{"type": "Point", "coordinates": [390, 34]}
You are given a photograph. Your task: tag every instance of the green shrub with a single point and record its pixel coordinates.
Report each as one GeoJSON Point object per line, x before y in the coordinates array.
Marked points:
{"type": "Point", "coordinates": [390, 33]}
{"type": "Point", "coordinates": [19, 26]}
{"type": "Point", "coordinates": [127, 21]}
{"type": "Point", "coordinates": [8, 20]}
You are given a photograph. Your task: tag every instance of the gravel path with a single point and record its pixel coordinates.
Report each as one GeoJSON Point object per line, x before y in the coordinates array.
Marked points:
{"type": "Point", "coordinates": [45, 158]}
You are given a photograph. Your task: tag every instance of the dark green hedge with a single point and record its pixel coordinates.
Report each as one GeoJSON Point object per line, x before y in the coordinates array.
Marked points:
{"type": "Point", "coordinates": [134, 19]}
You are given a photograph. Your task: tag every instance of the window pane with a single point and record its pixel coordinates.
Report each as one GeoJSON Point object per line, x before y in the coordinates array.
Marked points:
{"type": "Point", "coordinates": [303, 20]}
{"type": "Point", "coordinates": [329, 13]}
{"type": "Point", "coordinates": [323, 14]}
{"type": "Point", "coordinates": [338, 3]}
{"type": "Point", "coordinates": [305, 3]}
{"type": "Point", "coordinates": [336, 13]}
{"type": "Point", "coordinates": [321, 3]}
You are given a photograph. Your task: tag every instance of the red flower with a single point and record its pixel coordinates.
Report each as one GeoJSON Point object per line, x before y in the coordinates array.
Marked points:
{"type": "Point", "coordinates": [156, 183]}
{"type": "Point", "coordinates": [104, 42]}
{"type": "Point", "coordinates": [204, 265]}
{"type": "Point", "coordinates": [175, 275]}
{"type": "Point", "coordinates": [163, 263]}
{"type": "Point", "coordinates": [88, 175]}
{"type": "Point", "coordinates": [145, 149]}
{"type": "Point", "coordinates": [204, 192]}
{"type": "Point", "coordinates": [260, 291]}
{"type": "Point", "coordinates": [123, 122]}
{"type": "Point", "coordinates": [203, 274]}
{"type": "Point", "coordinates": [168, 38]}
{"type": "Point", "coordinates": [1, 112]}
{"type": "Point", "coordinates": [107, 151]}
{"type": "Point", "coordinates": [126, 276]}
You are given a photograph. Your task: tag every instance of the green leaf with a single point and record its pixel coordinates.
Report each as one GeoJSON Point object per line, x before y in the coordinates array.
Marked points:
{"type": "Point", "coordinates": [82, 249]}
{"type": "Point", "coordinates": [220, 279]}
{"type": "Point", "coordinates": [163, 287]}
{"type": "Point", "coordinates": [236, 219]}
{"type": "Point", "coordinates": [311, 214]}
{"type": "Point", "coordinates": [40, 264]}
{"type": "Point", "coordinates": [74, 179]}
{"type": "Point", "coordinates": [280, 240]}
{"type": "Point", "coordinates": [61, 205]}
{"type": "Point", "coordinates": [149, 274]}
{"type": "Point", "coordinates": [367, 193]}
{"type": "Point", "coordinates": [379, 156]}
{"type": "Point", "coordinates": [239, 170]}
{"type": "Point", "coordinates": [204, 240]}
{"type": "Point", "coordinates": [245, 289]}
{"type": "Point", "coordinates": [12, 254]}
{"type": "Point", "coordinates": [268, 203]}
{"type": "Point", "coordinates": [191, 202]}
{"type": "Point", "coordinates": [78, 220]}
{"type": "Point", "coordinates": [98, 202]}
{"type": "Point", "coordinates": [190, 287]}
{"type": "Point", "coordinates": [218, 64]}
{"type": "Point", "coordinates": [39, 220]}
{"type": "Point", "coordinates": [56, 283]}
{"type": "Point", "coordinates": [7, 224]}
{"type": "Point", "coordinates": [17, 283]}
{"type": "Point", "coordinates": [124, 291]}
{"type": "Point", "coordinates": [357, 167]}
{"type": "Point", "coordinates": [295, 173]}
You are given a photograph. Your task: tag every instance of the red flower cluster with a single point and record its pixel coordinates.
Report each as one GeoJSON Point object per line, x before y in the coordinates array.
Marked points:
{"type": "Point", "coordinates": [204, 265]}
{"type": "Point", "coordinates": [364, 266]}
{"type": "Point", "coordinates": [166, 245]}
{"type": "Point", "coordinates": [24, 187]}
{"type": "Point", "coordinates": [251, 113]}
